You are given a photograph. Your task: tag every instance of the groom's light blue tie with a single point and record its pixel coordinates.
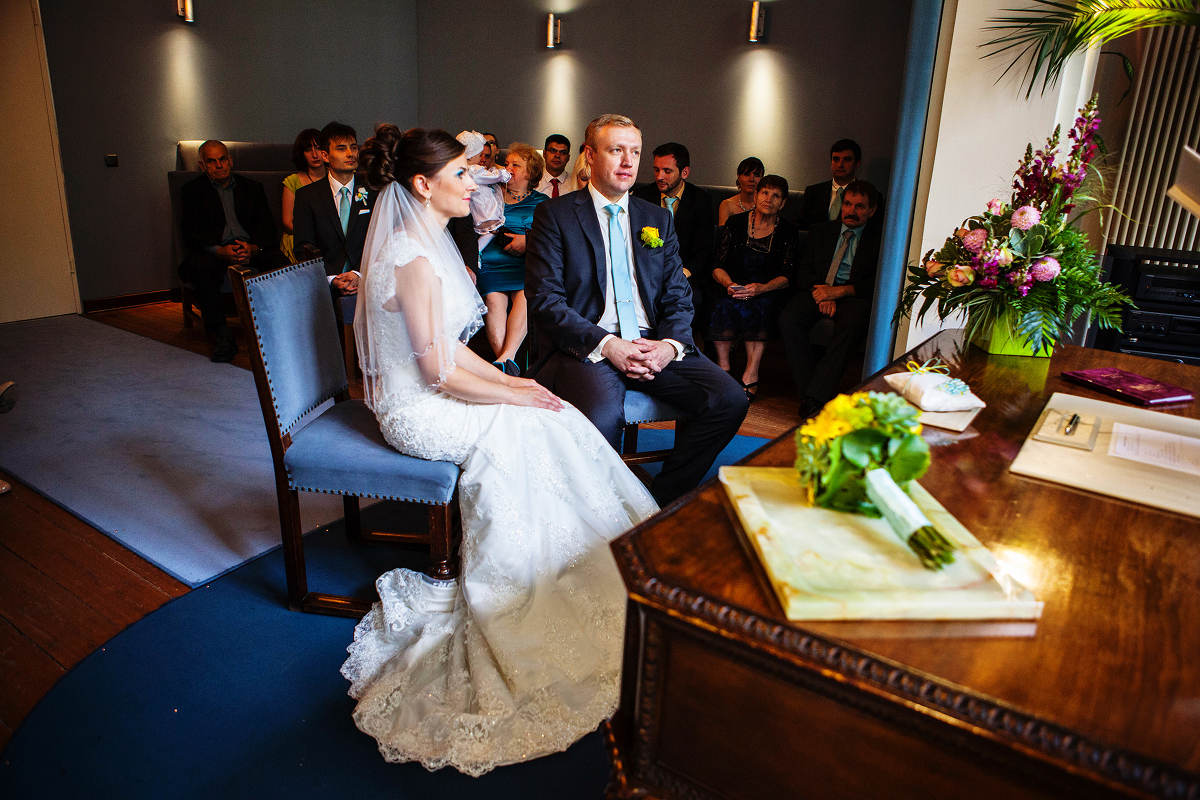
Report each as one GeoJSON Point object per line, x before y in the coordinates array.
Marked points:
{"type": "Point", "coordinates": [344, 208]}
{"type": "Point", "coordinates": [622, 284]}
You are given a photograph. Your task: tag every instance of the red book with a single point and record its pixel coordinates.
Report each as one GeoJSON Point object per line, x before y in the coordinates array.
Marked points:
{"type": "Point", "coordinates": [1130, 386]}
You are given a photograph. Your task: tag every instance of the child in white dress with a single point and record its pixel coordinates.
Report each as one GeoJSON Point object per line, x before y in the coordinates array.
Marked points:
{"type": "Point", "coordinates": [487, 202]}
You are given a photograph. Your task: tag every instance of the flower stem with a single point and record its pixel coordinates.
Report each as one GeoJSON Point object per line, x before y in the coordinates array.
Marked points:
{"type": "Point", "coordinates": [933, 549]}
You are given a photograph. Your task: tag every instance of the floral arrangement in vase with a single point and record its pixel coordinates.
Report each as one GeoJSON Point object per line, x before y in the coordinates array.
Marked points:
{"type": "Point", "coordinates": [1022, 271]}
{"type": "Point", "coordinates": [859, 455]}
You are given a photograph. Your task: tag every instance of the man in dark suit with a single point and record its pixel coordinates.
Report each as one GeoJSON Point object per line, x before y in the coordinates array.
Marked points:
{"type": "Point", "coordinates": [620, 316]}
{"type": "Point", "coordinates": [836, 280]}
{"type": "Point", "coordinates": [823, 201]}
{"type": "Point", "coordinates": [225, 222]}
{"type": "Point", "coordinates": [691, 207]}
{"type": "Point", "coordinates": [332, 215]}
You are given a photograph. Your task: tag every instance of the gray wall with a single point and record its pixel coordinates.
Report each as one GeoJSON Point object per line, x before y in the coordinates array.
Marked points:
{"type": "Point", "coordinates": [683, 69]}
{"type": "Point", "coordinates": [131, 78]}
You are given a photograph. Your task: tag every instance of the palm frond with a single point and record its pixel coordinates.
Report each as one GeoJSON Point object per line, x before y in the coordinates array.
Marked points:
{"type": "Point", "coordinates": [1048, 33]}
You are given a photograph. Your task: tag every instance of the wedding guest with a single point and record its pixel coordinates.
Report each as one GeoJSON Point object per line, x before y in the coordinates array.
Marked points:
{"type": "Point", "coordinates": [823, 201]}
{"type": "Point", "coordinates": [490, 149]}
{"type": "Point", "coordinates": [502, 262]}
{"type": "Point", "coordinates": [332, 215]}
{"type": "Point", "coordinates": [487, 201]}
{"type": "Point", "coordinates": [306, 155]}
{"type": "Point", "coordinates": [615, 312]}
{"type": "Point", "coordinates": [556, 180]}
{"type": "Point", "coordinates": [691, 208]}
{"type": "Point", "coordinates": [582, 172]}
{"type": "Point", "coordinates": [225, 222]}
{"type": "Point", "coordinates": [748, 174]}
{"type": "Point", "coordinates": [753, 265]}
{"type": "Point", "coordinates": [836, 279]}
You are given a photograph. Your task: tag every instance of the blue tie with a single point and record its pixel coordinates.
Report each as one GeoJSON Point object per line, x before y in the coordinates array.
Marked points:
{"type": "Point", "coordinates": [622, 285]}
{"type": "Point", "coordinates": [344, 208]}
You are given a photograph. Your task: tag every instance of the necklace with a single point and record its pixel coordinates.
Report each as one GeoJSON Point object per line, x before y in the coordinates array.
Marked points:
{"type": "Point", "coordinates": [751, 242]}
{"type": "Point", "coordinates": [311, 179]}
{"type": "Point", "coordinates": [516, 198]}
{"type": "Point", "coordinates": [742, 207]}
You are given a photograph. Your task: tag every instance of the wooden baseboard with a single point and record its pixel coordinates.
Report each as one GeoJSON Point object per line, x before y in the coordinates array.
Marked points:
{"type": "Point", "coordinates": [127, 300]}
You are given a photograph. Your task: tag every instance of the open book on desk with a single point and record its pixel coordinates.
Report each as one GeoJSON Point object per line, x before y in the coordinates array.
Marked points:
{"type": "Point", "coordinates": [1151, 468]}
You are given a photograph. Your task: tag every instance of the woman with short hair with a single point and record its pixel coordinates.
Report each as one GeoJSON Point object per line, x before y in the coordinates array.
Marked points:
{"type": "Point", "coordinates": [502, 262]}
{"type": "Point", "coordinates": [748, 174]}
{"type": "Point", "coordinates": [754, 263]}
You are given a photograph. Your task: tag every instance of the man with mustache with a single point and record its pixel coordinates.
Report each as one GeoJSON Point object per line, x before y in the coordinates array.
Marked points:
{"type": "Point", "coordinates": [613, 310]}
{"type": "Point", "coordinates": [332, 215]}
{"type": "Point", "coordinates": [836, 280]}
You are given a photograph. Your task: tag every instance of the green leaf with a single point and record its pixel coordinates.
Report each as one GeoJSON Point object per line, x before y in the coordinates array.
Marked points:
{"type": "Point", "coordinates": [1047, 34]}
{"type": "Point", "coordinates": [864, 447]}
{"type": "Point", "coordinates": [910, 460]}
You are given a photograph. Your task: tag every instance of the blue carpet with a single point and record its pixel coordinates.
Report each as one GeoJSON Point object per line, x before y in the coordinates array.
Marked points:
{"type": "Point", "coordinates": [224, 693]}
{"type": "Point", "coordinates": [158, 447]}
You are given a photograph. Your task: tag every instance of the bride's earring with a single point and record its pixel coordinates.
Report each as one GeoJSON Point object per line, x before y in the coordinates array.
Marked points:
{"type": "Point", "coordinates": [427, 199]}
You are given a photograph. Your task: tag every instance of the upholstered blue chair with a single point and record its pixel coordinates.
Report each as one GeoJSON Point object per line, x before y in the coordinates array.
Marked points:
{"type": "Point", "coordinates": [336, 449]}
{"type": "Point", "coordinates": [641, 408]}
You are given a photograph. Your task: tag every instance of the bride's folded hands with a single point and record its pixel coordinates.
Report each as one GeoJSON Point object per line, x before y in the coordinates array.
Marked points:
{"type": "Point", "coordinates": [478, 381]}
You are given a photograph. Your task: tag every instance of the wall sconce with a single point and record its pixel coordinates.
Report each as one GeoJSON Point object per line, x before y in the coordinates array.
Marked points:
{"type": "Point", "coordinates": [553, 30]}
{"type": "Point", "coordinates": [758, 21]}
{"type": "Point", "coordinates": [184, 9]}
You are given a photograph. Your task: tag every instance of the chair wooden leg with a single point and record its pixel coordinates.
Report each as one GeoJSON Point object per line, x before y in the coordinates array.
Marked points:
{"type": "Point", "coordinates": [629, 442]}
{"type": "Point", "coordinates": [185, 300]}
{"type": "Point", "coordinates": [441, 541]}
{"type": "Point", "coordinates": [350, 509]}
{"type": "Point", "coordinates": [293, 548]}
{"type": "Point", "coordinates": [350, 352]}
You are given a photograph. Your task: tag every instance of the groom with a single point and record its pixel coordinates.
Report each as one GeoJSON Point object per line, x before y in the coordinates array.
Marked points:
{"type": "Point", "coordinates": [607, 292]}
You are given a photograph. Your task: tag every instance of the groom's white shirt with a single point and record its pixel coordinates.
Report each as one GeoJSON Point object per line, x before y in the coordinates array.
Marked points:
{"type": "Point", "coordinates": [608, 320]}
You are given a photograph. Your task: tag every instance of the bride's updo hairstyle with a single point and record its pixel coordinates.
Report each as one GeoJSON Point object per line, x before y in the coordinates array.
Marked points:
{"type": "Point", "coordinates": [392, 155]}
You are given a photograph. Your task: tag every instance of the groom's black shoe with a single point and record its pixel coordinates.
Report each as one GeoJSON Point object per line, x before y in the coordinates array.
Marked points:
{"type": "Point", "coordinates": [225, 350]}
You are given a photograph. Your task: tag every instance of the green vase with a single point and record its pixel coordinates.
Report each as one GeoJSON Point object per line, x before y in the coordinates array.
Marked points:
{"type": "Point", "coordinates": [1002, 339]}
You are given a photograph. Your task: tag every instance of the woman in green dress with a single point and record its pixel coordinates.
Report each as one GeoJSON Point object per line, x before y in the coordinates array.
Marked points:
{"type": "Point", "coordinates": [502, 262]}
{"type": "Point", "coordinates": [306, 155]}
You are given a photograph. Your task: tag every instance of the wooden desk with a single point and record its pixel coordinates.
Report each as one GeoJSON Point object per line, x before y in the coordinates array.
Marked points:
{"type": "Point", "coordinates": [723, 698]}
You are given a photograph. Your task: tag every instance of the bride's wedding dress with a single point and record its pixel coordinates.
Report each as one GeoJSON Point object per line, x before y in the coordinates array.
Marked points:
{"type": "Point", "coordinates": [520, 656]}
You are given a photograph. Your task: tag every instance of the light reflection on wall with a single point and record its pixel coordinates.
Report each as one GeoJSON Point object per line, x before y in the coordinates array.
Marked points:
{"type": "Point", "coordinates": [560, 101]}
{"type": "Point", "coordinates": [184, 97]}
{"type": "Point", "coordinates": [764, 106]}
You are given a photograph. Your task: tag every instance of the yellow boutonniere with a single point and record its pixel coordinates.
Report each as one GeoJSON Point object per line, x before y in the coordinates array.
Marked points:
{"type": "Point", "coordinates": [650, 237]}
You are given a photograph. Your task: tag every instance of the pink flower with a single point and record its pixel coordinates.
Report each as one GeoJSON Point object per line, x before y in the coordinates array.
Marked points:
{"type": "Point", "coordinates": [1026, 217]}
{"type": "Point", "coordinates": [960, 275]}
{"type": "Point", "coordinates": [1045, 269]}
{"type": "Point", "coordinates": [975, 240]}
{"type": "Point", "coordinates": [1004, 256]}
{"type": "Point", "coordinates": [995, 206]}
{"type": "Point", "coordinates": [934, 268]}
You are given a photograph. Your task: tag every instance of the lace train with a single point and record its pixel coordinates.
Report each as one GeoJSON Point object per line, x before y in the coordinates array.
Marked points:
{"type": "Point", "coordinates": [521, 656]}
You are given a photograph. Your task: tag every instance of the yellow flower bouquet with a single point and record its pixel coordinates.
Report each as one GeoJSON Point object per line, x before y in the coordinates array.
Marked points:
{"type": "Point", "coordinates": [858, 456]}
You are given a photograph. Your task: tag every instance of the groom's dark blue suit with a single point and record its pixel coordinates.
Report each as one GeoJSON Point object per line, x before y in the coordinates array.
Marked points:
{"type": "Point", "coordinates": [565, 281]}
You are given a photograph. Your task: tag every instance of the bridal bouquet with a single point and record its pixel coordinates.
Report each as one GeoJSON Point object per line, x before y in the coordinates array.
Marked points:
{"type": "Point", "coordinates": [1024, 262]}
{"type": "Point", "coordinates": [859, 454]}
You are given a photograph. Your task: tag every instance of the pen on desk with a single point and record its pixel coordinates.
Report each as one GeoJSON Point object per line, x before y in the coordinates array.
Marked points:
{"type": "Point", "coordinates": [1072, 424]}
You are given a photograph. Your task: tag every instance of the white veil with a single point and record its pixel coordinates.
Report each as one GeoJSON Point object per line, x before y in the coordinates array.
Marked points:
{"type": "Point", "coordinates": [416, 304]}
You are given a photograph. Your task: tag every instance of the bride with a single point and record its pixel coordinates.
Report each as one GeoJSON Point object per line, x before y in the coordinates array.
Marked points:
{"type": "Point", "coordinates": [521, 655]}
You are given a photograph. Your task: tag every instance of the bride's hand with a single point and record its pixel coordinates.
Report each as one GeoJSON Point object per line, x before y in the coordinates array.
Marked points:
{"type": "Point", "coordinates": [531, 393]}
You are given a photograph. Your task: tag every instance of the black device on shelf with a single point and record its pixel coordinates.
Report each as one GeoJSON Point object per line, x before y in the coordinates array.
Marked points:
{"type": "Point", "coordinates": [1165, 287]}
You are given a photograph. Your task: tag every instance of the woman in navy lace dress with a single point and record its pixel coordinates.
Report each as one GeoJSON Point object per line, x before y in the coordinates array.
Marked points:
{"type": "Point", "coordinates": [754, 264]}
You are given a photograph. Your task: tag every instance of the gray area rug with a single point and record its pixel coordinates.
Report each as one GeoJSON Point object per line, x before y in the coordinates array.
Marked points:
{"type": "Point", "coordinates": [157, 447]}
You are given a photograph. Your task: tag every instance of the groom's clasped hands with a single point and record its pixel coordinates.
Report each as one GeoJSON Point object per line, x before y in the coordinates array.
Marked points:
{"type": "Point", "coordinates": [640, 359]}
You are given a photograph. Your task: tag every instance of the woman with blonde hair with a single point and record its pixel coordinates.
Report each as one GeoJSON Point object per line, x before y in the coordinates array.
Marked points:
{"type": "Point", "coordinates": [502, 262]}
{"type": "Point", "coordinates": [582, 172]}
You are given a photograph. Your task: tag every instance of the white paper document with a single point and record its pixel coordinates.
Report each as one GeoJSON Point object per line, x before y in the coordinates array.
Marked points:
{"type": "Point", "coordinates": [1156, 448]}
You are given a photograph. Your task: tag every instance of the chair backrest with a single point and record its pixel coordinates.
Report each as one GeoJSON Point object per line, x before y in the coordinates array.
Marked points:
{"type": "Point", "coordinates": [290, 314]}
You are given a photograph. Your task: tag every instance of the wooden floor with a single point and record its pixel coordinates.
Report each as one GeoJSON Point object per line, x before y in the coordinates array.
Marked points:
{"type": "Point", "coordinates": [66, 588]}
